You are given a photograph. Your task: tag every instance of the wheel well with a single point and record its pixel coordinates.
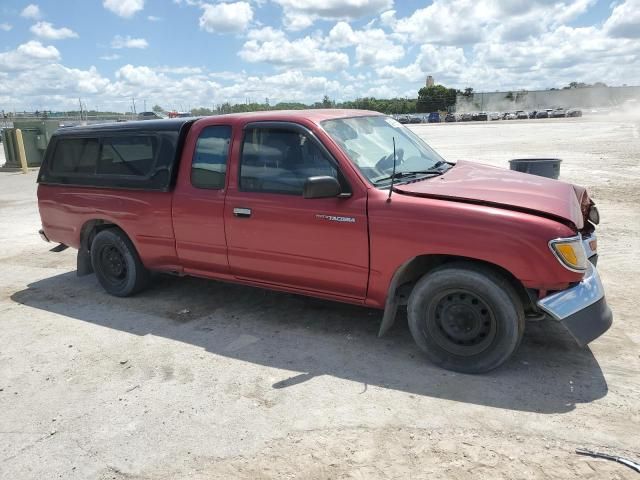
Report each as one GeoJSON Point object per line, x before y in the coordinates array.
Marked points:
{"type": "Point", "coordinates": [88, 231]}
{"type": "Point", "coordinates": [406, 276]}
{"type": "Point", "coordinates": [91, 228]}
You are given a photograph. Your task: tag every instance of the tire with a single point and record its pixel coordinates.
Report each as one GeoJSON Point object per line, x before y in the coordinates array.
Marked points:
{"type": "Point", "coordinates": [466, 318]}
{"type": "Point", "coordinates": [117, 264]}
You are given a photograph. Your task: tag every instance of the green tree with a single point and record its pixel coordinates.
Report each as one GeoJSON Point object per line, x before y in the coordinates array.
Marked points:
{"type": "Point", "coordinates": [157, 109]}
{"type": "Point", "coordinates": [435, 98]}
{"type": "Point", "coordinates": [325, 103]}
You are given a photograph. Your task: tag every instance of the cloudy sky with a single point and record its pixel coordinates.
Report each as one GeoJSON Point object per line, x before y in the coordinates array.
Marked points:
{"type": "Point", "coordinates": [188, 53]}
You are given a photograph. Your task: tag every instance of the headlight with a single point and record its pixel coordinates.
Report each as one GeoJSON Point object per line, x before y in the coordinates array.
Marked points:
{"type": "Point", "coordinates": [570, 252]}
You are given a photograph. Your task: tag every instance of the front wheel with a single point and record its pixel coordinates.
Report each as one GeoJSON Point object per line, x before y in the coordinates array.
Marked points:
{"type": "Point", "coordinates": [466, 318]}
{"type": "Point", "coordinates": [117, 264]}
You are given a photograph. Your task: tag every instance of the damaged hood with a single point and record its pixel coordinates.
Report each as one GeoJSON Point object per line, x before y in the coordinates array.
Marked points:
{"type": "Point", "coordinates": [486, 185]}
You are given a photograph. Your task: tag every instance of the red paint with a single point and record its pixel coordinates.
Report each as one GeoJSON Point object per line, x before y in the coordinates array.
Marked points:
{"type": "Point", "coordinates": [480, 183]}
{"type": "Point", "coordinates": [286, 246]}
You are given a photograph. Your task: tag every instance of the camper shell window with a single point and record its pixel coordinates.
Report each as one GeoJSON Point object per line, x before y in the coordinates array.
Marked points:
{"type": "Point", "coordinates": [112, 156]}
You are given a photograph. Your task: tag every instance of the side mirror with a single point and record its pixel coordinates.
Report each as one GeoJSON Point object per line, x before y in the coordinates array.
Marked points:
{"type": "Point", "coordinates": [321, 187]}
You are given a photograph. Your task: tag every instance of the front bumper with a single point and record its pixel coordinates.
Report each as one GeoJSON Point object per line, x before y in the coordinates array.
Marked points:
{"type": "Point", "coordinates": [582, 309]}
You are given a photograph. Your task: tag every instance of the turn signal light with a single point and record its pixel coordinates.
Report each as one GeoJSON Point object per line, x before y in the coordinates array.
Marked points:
{"type": "Point", "coordinates": [570, 252]}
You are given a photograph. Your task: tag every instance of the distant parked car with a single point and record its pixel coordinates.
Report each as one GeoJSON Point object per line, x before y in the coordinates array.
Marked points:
{"type": "Point", "coordinates": [149, 116]}
{"type": "Point", "coordinates": [416, 119]}
{"type": "Point", "coordinates": [521, 115]}
{"type": "Point", "coordinates": [510, 116]}
{"type": "Point", "coordinates": [450, 117]}
{"type": "Point", "coordinates": [466, 117]}
{"type": "Point", "coordinates": [480, 116]}
{"type": "Point", "coordinates": [558, 113]}
{"type": "Point", "coordinates": [574, 112]}
{"type": "Point", "coordinates": [533, 113]}
{"type": "Point", "coordinates": [434, 117]}
{"type": "Point", "coordinates": [542, 114]}
{"type": "Point", "coordinates": [494, 116]}
{"type": "Point", "coordinates": [404, 119]}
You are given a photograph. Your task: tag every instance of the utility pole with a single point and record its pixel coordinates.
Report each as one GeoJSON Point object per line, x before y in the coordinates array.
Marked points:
{"type": "Point", "coordinates": [80, 103]}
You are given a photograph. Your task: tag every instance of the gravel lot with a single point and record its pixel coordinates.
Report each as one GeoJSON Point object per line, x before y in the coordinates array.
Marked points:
{"type": "Point", "coordinates": [206, 380]}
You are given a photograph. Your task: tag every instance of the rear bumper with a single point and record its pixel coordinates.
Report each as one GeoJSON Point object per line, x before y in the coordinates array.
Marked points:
{"type": "Point", "coordinates": [582, 309]}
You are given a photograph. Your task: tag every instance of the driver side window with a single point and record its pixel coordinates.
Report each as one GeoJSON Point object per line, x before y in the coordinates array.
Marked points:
{"type": "Point", "coordinates": [280, 161]}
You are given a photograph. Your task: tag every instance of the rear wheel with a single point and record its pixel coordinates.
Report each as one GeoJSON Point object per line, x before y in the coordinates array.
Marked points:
{"type": "Point", "coordinates": [117, 264]}
{"type": "Point", "coordinates": [466, 318]}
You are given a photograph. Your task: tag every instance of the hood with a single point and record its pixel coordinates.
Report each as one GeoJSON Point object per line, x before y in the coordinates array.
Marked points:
{"type": "Point", "coordinates": [472, 182]}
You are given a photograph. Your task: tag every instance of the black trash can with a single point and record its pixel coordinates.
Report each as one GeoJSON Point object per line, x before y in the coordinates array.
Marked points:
{"type": "Point", "coordinates": [543, 167]}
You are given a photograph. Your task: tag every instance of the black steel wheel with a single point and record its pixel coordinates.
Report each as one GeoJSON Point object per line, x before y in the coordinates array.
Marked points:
{"type": "Point", "coordinates": [465, 317]}
{"type": "Point", "coordinates": [114, 265]}
{"type": "Point", "coordinates": [117, 264]}
{"type": "Point", "coordinates": [463, 323]}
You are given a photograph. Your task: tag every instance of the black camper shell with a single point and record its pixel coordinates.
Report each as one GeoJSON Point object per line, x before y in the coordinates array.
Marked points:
{"type": "Point", "coordinates": [131, 155]}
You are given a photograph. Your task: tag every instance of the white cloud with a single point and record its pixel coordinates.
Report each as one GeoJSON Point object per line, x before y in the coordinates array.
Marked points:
{"type": "Point", "coordinates": [6, 27]}
{"type": "Point", "coordinates": [226, 17]}
{"type": "Point", "coordinates": [467, 22]}
{"type": "Point", "coordinates": [271, 46]}
{"type": "Point", "coordinates": [124, 8]}
{"type": "Point", "coordinates": [373, 45]}
{"type": "Point", "coordinates": [553, 59]}
{"type": "Point", "coordinates": [484, 44]}
{"type": "Point", "coordinates": [300, 14]}
{"type": "Point", "coordinates": [153, 18]}
{"type": "Point", "coordinates": [48, 31]}
{"type": "Point", "coordinates": [624, 21]}
{"type": "Point", "coordinates": [31, 11]}
{"type": "Point", "coordinates": [30, 55]}
{"type": "Point", "coordinates": [266, 34]}
{"type": "Point", "coordinates": [180, 70]}
{"type": "Point", "coordinates": [138, 75]}
{"type": "Point", "coordinates": [128, 42]}
{"type": "Point", "coordinates": [57, 87]}
{"type": "Point", "coordinates": [445, 63]}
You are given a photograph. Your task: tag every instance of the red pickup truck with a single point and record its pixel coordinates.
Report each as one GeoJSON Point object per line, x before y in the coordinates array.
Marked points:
{"type": "Point", "coordinates": [338, 204]}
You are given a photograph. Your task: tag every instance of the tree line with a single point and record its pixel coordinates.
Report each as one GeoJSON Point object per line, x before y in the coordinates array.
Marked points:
{"type": "Point", "coordinates": [436, 98]}
{"type": "Point", "coordinates": [388, 106]}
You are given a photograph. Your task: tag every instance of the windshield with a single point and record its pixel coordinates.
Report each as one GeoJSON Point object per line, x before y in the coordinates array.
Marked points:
{"type": "Point", "coordinates": [368, 142]}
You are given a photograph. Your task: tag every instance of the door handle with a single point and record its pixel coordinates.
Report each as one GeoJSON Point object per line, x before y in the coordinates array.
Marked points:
{"type": "Point", "coordinates": [242, 212]}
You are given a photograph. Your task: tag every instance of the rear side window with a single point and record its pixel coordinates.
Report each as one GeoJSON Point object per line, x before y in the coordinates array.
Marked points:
{"type": "Point", "coordinates": [75, 156]}
{"type": "Point", "coordinates": [128, 155]}
{"type": "Point", "coordinates": [209, 164]}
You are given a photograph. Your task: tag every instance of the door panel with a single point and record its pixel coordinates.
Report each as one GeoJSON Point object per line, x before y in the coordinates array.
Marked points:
{"type": "Point", "coordinates": [274, 235]}
{"type": "Point", "coordinates": [198, 203]}
{"type": "Point", "coordinates": [293, 241]}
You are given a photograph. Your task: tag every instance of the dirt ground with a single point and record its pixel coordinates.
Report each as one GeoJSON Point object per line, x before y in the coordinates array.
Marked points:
{"type": "Point", "coordinates": [205, 380]}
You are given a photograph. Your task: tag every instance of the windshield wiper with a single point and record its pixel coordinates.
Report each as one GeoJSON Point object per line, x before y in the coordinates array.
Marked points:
{"type": "Point", "coordinates": [439, 163]}
{"type": "Point", "coordinates": [408, 174]}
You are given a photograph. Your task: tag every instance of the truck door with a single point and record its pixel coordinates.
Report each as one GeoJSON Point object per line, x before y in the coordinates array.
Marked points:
{"type": "Point", "coordinates": [274, 235]}
{"type": "Point", "coordinates": [198, 202]}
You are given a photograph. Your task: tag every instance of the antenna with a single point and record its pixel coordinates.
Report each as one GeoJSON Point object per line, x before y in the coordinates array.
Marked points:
{"type": "Point", "coordinates": [393, 174]}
